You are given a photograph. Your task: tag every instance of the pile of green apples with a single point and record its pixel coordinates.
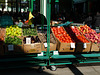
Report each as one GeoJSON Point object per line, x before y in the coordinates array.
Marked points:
{"type": "Point", "coordinates": [13, 31]}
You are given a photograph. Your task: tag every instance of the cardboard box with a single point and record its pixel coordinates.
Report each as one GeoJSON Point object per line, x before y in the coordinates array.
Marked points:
{"type": "Point", "coordinates": [52, 47]}
{"type": "Point", "coordinates": [18, 49]}
{"type": "Point", "coordinates": [64, 47]}
{"type": "Point", "coordinates": [32, 48]}
{"type": "Point", "coordinates": [13, 49]}
{"type": "Point", "coordinates": [52, 43]}
{"type": "Point", "coordinates": [80, 47]}
{"type": "Point", "coordinates": [1, 50]}
{"type": "Point", "coordinates": [95, 47]}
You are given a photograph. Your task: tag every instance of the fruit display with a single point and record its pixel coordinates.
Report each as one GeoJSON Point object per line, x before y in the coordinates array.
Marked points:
{"type": "Point", "coordinates": [2, 34]}
{"type": "Point", "coordinates": [82, 39]}
{"type": "Point", "coordinates": [14, 41]}
{"type": "Point", "coordinates": [76, 35]}
{"type": "Point", "coordinates": [90, 34]}
{"type": "Point", "coordinates": [29, 32]}
{"type": "Point", "coordinates": [13, 31]}
{"type": "Point", "coordinates": [86, 29]}
{"type": "Point", "coordinates": [73, 30]}
{"type": "Point", "coordinates": [61, 35]}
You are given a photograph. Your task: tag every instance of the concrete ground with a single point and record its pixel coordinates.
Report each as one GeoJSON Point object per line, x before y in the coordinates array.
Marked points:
{"type": "Point", "coordinates": [83, 69]}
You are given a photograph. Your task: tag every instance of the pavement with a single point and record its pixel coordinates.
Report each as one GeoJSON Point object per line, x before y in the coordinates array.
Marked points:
{"type": "Point", "coordinates": [83, 69]}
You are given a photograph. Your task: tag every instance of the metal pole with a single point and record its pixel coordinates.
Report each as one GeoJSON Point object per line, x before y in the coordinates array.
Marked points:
{"type": "Point", "coordinates": [31, 6]}
{"type": "Point", "coordinates": [43, 7]}
{"type": "Point", "coordinates": [45, 2]}
{"type": "Point", "coordinates": [43, 12]}
{"type": "Point", "coordinates": [48, 25]}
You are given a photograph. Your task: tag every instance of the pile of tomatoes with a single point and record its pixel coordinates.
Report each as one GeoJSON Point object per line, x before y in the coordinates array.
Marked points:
{"type": "Point", "coordinates": [61, 35]}
{"type": "Point", "coordinates": [82, 39]}
{"type": "Point", "coordinates": [76, 35]}
{"type": "Point", "coordinates": [2, 34]}
{"type": "Point", "coordinates": [70, 37]}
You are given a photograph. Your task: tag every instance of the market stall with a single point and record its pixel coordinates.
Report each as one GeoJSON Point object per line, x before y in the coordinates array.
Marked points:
{"type": "Point", "coordinates": [26, 45]}
{"type": "Point", "coordinates": [21, 44]}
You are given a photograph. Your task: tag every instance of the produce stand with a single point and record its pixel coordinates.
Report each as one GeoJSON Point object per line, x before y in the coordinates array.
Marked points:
{"type": "Point", "coordinates": [17, 60]}
{"type": "Point", "coordinates": [70, 57]}
{"type": "Point", "coordinates": [61, 55]}
{"type": "Point", "coordinates": [62, 58]}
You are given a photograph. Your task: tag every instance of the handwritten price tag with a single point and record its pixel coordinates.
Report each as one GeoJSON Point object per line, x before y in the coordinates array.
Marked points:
{"type": "Point", "coordinates": [55, 53]}
{"type": "Point", "coordinates": [40, 54]}
{"type": "Point", "coordinates": [10, 47]}
{"type": "Point", "coordinates": [45, 44]}
{"type": "Point", "coordinates": [84, 45]}
{"type": "Point", "coordinates": [28, 40]}
{"type": "Point", "coordinates": [73, 27]}
{"type": "Point", "coordinates": [72, 45]}
{"type": "Point", "coordinates": [58, 26]}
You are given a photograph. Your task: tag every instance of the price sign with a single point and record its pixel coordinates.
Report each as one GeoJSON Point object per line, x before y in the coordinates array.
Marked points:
{"type": "Point", "coordinates": [84, 45]}
{"type": "Point", "coordinates": [56, 22]}
{"type": "Point", "coordinates": [72, 45]}
{"type": "Point", "coordinates": [24, 19]}
{"type": "Point", "coordinates": [10, 47]}
{"type": "Point", "coordinates": [40, 54]}
{"type": "Point", "coordinates": [72, 26]}
{"type": "Point", "coordinates": [45, 44]}
{"type": "Point", "coordinates": [58, 26]}
{"type": "Point", "coordinates": [28, 40]}
{"type": "Point", "coordinates": [55, 53]}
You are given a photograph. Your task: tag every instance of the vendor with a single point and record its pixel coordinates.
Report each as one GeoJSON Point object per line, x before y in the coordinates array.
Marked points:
{"type": "Point", "coordinates": [39, 18]}
{"type": "Point", "coordinates": [97, 20]}
{"type": "Point", "coordinates": [89, 20]}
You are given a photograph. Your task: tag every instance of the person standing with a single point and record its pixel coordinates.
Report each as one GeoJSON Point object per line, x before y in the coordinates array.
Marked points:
{"type": "Point", "coordinates": [97, 20]}
{"type": "Point", "coordinates": [89, 20]}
